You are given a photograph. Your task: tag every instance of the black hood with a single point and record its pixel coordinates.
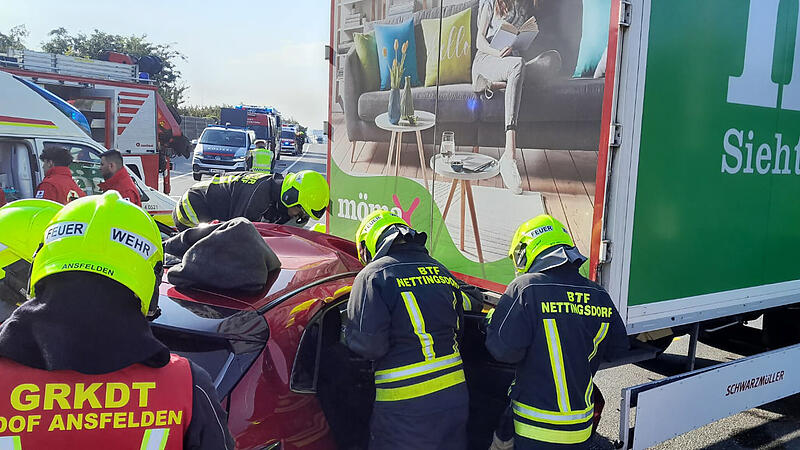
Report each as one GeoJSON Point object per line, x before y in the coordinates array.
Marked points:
{"type": "Point", "coordinates": [556, 257]}
{"type": "Point", "coordinates": [83, 322]}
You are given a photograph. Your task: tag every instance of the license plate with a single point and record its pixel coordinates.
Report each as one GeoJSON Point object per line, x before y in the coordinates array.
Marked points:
{"type": "Point", "coordinates": [219, 171]}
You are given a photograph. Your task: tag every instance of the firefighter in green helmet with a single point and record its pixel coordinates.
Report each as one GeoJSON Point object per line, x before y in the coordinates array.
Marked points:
{"type": "Point", "coordinates": [84, 340]}
{"type": "Point", "coordinates": [259, 197]}
{"type": "Point", "coordinates": [556, 326]}
{"type": "Point", "coordinates": [22, 224]}
{"type": "Point", "coordinates": [405, 314]}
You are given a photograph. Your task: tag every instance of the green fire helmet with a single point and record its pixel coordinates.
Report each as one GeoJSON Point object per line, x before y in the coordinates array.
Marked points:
{"type": "Point", "coordinates": [371, 229]}
{"type": "Point", "coordinates": [22, 224]}
{"type": "Point", "coordinates": [106, 235]}
{"type": "Point", "coordinates": [309, 190]}
{"type": "Point", "coordinates": [535, 236]}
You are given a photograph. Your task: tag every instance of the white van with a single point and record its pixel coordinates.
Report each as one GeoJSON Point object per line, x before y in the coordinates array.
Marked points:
{"type": "Point", "coordinates": [29, 123]}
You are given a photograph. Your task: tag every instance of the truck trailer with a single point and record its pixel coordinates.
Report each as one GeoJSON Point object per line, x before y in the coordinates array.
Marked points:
{"type": "Point", "coordinates": [666, 141]}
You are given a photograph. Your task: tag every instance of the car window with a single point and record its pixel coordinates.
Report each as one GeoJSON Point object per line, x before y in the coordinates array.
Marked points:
{"type": "Point", "coordinates": [17, 165]}
{"type": "Point", "coordinates": [85, 166]}
{"type": "Point", "coordinates": [80, 153]}
{"type": "Point", "coordinates": [223, 137]}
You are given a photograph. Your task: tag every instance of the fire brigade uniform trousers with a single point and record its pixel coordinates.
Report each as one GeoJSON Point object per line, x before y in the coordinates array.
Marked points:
{"type": "Point", "coordinates": [556, 326]}
{"type": "Point", "coordinates": [404, 313]}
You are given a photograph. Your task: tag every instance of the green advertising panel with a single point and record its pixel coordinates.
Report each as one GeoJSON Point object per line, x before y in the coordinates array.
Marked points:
{"type": "Point", "coordinates": [719, 159]}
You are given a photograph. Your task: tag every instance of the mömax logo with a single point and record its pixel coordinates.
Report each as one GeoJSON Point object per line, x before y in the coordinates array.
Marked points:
{"type": "Point", "coordinates": [358, 210]}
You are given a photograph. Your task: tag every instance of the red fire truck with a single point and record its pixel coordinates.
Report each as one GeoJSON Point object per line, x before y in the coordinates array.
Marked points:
{"type": "Point", "coordinates": [123, 108]}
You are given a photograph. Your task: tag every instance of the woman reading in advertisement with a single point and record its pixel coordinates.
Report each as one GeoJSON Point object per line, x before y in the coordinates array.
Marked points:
{"type": "Point", "coordinates": [504, 68]}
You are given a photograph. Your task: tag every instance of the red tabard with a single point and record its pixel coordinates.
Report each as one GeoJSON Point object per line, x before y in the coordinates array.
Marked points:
{"type": "Point", "coordinates": [136, 407]}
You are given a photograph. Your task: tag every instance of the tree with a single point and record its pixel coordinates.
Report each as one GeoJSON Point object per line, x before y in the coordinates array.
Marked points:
{"type": "Point", "coordinates": [211, 112]}
{"type": "Point", "coordinates": [170, 86]}
{"type": "Point", "coordinates": [291, 121]}
{"type": "Point", "coordinates": [14, 39]}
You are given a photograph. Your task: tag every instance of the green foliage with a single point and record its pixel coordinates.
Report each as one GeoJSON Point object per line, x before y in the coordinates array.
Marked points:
{"type": "Point", "coordinates": [290, 121]}
{"type": "Point", "coordinates": [170, 86]}
{"type": "Point", "coordinates": [14, 39]}
{"type": "Point", "coordinates": [202, 111]}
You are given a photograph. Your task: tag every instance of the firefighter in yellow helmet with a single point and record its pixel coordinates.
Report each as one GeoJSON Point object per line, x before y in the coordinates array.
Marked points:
{"type": "Point", "coordinates": [404, 314]}
{"type": "Point", "coordinates": [259, 197]}
{"type": "Point", "coordinates": [556, 326]}
{"type": "Point", "coordinates": [22, 224]}
{"type": "Point", "coordinates": [81, 349]}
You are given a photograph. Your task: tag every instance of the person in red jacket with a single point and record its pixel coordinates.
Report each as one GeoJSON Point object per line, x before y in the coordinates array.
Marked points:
{"type": "Point", "coordinates": [58, 184]}
{"type": "Point", "coordinates": [117, 177]}
{"type": "Point", "coordinates": [2, 198]}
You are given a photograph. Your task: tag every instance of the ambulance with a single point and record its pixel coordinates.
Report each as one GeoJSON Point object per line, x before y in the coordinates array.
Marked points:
{"type": "Point", "coordinates": [31, 121]}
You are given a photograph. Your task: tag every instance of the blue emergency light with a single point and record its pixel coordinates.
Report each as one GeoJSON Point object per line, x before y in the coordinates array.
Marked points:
{"type": "Point", "coordinates": [70, 111]}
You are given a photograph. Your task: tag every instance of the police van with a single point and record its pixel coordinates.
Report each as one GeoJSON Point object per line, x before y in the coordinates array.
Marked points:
{"type": "Point", "coordinates": [29, 122]}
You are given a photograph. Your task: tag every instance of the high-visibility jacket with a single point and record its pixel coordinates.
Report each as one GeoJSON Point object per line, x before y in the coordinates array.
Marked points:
{"type": "Point", "coordinates": [136, 407]}
{"type": "Point", "coordinates": [255, 196]}
{"type": "Point", "coordinates": [557, 326]}
{"type": "Point", "coordinates": [261, 160]}
{"type": "Point", "coordinates": [59, 186]}
{"type": "Point", "coordinates": [404, 313]}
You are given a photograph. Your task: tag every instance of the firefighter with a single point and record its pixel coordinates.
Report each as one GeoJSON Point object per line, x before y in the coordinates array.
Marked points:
{"type": "Point", "coordinates": [117, 177]}
{"type": "Point", "coordinates": [58, 184]}
{"type": "Point", "coordinates": [404, 314]}
{"type": "Point", "coordinates": [79, 365]}
{"type": "Point", "coordinates": [28, 219]}
{"type": "Point", "coordinates": [258, 197]}
{"type": "Point", "coordinates": [260, 158]}
{"type": "Point", "coordinates": [556, 326]}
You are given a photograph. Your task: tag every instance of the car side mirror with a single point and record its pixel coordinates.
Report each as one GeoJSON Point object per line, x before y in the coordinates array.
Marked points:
{"type": "Point", "coordinates": [194, 141]}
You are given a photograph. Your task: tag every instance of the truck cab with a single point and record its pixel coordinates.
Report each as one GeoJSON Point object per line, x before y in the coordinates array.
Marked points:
{"type": "Point", "coordinates": [221, 149]}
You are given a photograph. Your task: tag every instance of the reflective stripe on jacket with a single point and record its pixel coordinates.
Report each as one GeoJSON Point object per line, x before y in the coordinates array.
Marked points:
{"type": "Point", "coordinates": [557, 326]}
{"type": "Point", "coordinates": [404, 313]}
{"type": "Point", "coordinates": [136, 407]}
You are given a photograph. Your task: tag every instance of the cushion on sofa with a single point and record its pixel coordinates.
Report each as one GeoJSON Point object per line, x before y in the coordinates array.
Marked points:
{"type": "Point", "coordinates": [434, 13]}
{"type": "Point", "coordinates": [594, 36]}
{"type": "Point", "coordinates": [368, 55]}
{"type": "Point", "coordinates": [385, 37]}
{"type": "Point", "coordinates": [457, 103]}
{"type": "Point", "coordinates": [449, 58]}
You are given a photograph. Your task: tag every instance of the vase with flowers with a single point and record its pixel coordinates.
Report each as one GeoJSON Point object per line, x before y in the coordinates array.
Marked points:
{"type": "Point", "coordinates": [395, 77]}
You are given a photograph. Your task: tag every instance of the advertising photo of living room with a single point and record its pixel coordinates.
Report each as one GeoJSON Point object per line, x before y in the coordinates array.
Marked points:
{"type": "Point", "coordinates": [516, 84]}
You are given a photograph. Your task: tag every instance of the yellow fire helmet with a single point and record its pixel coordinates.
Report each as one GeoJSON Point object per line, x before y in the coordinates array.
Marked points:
{"type": "Point", "coordinates": [22, 224]}
{"type": "Point", "coordinates": [370, 230]}
{"type": "Point", "coordinates": [306, 188]}
{"type": "Point", "coordinates": [535, 236]}
{"type": "Point", "coordinates": [106, 235]}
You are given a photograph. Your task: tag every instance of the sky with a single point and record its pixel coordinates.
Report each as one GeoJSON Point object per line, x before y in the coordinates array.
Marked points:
{"type": "Point", "coordinates": [266, 52]}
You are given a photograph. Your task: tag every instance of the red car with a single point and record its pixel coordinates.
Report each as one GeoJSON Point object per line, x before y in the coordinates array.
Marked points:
{"type": "Point", "coordinates": [276, 358]}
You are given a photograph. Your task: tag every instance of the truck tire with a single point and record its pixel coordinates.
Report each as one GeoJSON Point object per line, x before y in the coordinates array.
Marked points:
{"type": "Point", "coordinates": [197, 176]}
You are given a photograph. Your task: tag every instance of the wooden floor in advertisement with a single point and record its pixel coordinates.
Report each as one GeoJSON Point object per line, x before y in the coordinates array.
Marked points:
{"type": "Point", "coordinates": [566, 179]}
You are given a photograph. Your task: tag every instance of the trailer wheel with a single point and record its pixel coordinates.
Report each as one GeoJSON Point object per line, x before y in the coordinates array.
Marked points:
{"type": "Point", "coordinates": [197, 176]}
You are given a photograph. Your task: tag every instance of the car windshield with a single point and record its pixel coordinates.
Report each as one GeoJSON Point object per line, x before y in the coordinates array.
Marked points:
{"type": "Point", "coordinates": [287, 134]}
{"type": "Point", "coordinates": [223, 137]}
